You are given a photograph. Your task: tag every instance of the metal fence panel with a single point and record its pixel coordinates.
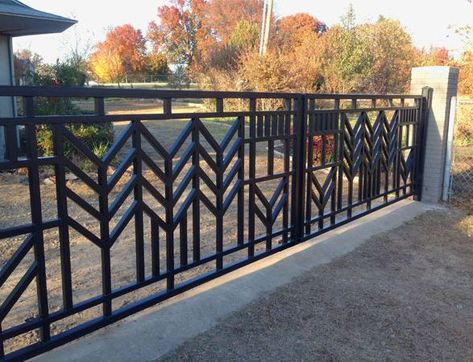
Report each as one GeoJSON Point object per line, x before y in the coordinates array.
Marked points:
{"type": "Point", "coordinates": [286, 168]}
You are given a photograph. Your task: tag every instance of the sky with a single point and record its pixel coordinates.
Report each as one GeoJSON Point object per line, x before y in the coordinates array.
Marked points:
{"type": "Point", "coordinates": [430, 22]}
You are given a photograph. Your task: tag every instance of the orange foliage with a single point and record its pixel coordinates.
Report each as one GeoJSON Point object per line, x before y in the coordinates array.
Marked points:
{"type": "Point", "coordinates": [224, 15]}
{"type": "Point", "coordinates": [293, 29]}
{"type": "Point", "coordinates": [182, 32]}
{"type": "Point", "coordinates": [121, 54]}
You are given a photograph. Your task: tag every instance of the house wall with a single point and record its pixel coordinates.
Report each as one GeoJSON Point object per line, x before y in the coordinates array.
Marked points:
{"type": "Point", "coordinates": [6, 78]}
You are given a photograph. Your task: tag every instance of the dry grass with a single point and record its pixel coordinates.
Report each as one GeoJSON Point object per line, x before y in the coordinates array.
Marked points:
{"type": "Point", "coordinates": [404, 295]}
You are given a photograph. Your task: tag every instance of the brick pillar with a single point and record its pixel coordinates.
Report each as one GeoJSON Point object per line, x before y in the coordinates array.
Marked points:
{"type": "Point", "coordinates": [443, 81]}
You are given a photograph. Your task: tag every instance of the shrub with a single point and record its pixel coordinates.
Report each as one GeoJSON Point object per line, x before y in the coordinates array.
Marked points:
{"type": "Point", "coordinates": [317, 146]}
{"type": "Point", "coordinates": [97, 137]}
{"type": "Point", "coordinates": [464, 125]}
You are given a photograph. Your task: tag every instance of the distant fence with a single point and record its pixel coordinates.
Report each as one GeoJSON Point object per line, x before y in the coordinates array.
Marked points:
{"type": "Point", "coordinates": [461, 176]}
{"type": "Point", "coordinates": [287, 168]}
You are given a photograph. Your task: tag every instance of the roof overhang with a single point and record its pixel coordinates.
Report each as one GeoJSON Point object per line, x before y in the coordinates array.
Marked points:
{"type": "Point", "coordinates": [17, 19]}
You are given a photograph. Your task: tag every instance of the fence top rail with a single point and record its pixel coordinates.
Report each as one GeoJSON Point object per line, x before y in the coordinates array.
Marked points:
{"type": "Point", "coordinates": [31, 91]}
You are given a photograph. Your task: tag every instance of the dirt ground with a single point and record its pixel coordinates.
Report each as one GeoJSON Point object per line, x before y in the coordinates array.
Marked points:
{"type": "Point", "coordinates": [404, 295]}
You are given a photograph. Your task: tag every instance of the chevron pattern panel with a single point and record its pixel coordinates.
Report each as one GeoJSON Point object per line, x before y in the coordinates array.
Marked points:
{"type": "Point", "coordinates": [369, 159]}
{"type": "Point", "coordinates": [161, 212]}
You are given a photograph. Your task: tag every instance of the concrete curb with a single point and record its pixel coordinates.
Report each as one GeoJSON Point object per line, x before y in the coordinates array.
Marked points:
{"type": "Point", "coordinates": [158, 330]}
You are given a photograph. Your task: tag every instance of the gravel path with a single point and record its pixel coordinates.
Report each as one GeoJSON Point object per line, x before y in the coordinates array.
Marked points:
{"type": "Point", "coordinates": [406, 295]}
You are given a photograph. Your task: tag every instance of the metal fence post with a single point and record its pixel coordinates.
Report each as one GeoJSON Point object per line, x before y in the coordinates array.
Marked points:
{"type": "Point", "coordinates": [299, 167]}
{"type": "Point", "coordinates": [426, 103]}
{"type": "Point", "coordinates": [448, 157]}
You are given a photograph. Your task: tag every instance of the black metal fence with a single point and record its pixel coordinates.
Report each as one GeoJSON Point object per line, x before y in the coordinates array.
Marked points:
{"type": "Point", "coordinates": [207, 190]}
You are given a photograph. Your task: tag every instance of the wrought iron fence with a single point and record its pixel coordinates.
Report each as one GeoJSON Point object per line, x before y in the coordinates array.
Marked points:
{"type": "Point", "coordinates": [252, 175]}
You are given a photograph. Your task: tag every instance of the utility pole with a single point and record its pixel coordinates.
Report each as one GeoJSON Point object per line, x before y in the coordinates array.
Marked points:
{"type": "Point", "coordinates": [266, 26]}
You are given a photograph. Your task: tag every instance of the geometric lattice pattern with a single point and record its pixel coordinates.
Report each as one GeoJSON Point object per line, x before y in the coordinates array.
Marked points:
{"type": "Point", "coordinates": [157, 215]}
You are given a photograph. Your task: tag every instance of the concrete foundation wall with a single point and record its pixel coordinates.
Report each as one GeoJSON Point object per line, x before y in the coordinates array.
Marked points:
{"type": "Point", "coordinates": [443, 81]}
{"type": "Point", "coordinates": [6, 78]}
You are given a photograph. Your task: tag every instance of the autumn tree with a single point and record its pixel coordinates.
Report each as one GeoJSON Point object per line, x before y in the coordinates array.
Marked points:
{"type": "Point", "coordinates": [435, 56]}
{"type": "Point", "coordinates": [226, 16]}
{"type": "Point", "coordinates": [202, 34]}
{"type": "Point", "coordinates": [181, 32]}
{"type": "Point", "coordinates": [391, 56]}
{"type": "Point", "coordinates": [373, 57]}
{"type": "Point", "coordinates": [344, 61]}
{"type": "Point", "coordinates": [107, 66]}
{"type": "Point", "coordinates": [293, 29]}
{"type": "Point", "coordinates": [244, 35]}
{"type": "Point", "coordinates": [155, 64]}
{"type": "Point", "coordinates": [120, 55]}
{"type": "Point", "coordinates": [465, 83]}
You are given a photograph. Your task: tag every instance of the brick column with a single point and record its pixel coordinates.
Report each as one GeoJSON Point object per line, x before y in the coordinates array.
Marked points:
{"type": "Point", "coordinates": [443, 81]}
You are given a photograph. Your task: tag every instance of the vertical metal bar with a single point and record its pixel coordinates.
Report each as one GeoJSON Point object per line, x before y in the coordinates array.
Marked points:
{"type": "Point", "coordinates": [352, 176]}
{"type": "Point", "coordinates": [369, 161]}
{"type": "Point", "coordinates": [138, 196]}
{"type": "Point", "coordinates": [104, 227]}
{"type": "Point", "coordinates": [183, 239]}
{"type": "Point", "coordinates": [425, 104]}
{"type": "Point", "coordinates": [99, 106]}
{"type": "Point", "coordinates": [340, 154]}
{"type": "Point", "coordinates": [361, 178]}
{"type": "Point", "coordinates": [300, 121]}
{"type": "Point", "coordinates": [408, 134]}
{"type": "Point", "coordinates": [251, 179]}
{"type": "Point", "coordinates": [287, 162]}
{"type": "Point", "coordinates": [270, 151]}
{"type": "Point", "coordinates": [167, 106]}
{"type": "Point", "coordinates": [155, 254]}
{"type": "Point", "coordinates": [219, 207]}
{"type": "Point", "coordinates": [334, 150]}
{"type": "Point", "coordinates": [269, 229]}
{"type": "Point", "coordinates": [387, 132]}
{"type": "Point", "coordinates": [37, 221]}
{"type": "Point", "coordinates": [312, 119]}
{"type": "Point", "coordinates": [397, 177]}
{"type": "Point", "coordinates": [270, 157]}
{"type": "Point", "coordinates": [260, 125]}
{"type": "Point", "coordinates": [11, 142]}
{"type": "Point", "coordinates": [62, 212]}
{"type": "Point", "coordinates": [196, 187]}
{"type": "Point", "coordinates": [219, 105]}
{"type": "Point", "coordinates": [323, 152]}
{"type": "Point", "coordinates": [169, 221]}
{"type": "Point", "coordinates": [267, 125]}
{"type": "Point", "coordinates": [241, 178]}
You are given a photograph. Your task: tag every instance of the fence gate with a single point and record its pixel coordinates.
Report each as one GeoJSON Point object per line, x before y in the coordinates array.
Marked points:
{"type": "Point", "coordinates": [183, 195]}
